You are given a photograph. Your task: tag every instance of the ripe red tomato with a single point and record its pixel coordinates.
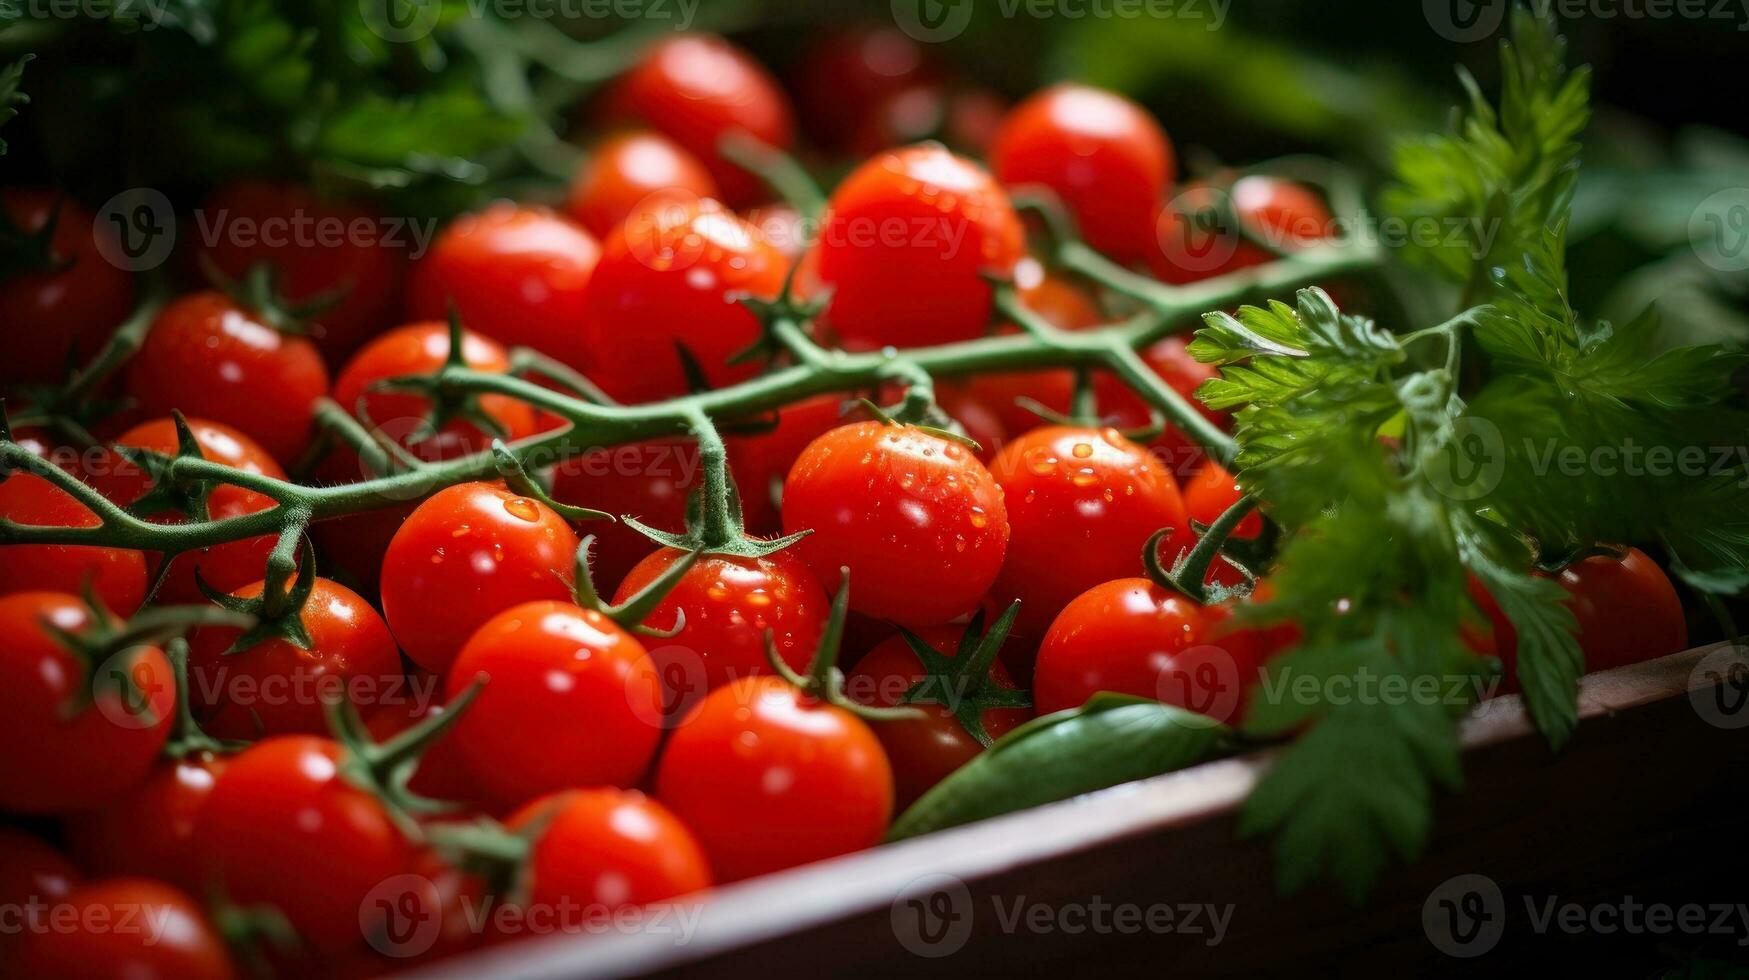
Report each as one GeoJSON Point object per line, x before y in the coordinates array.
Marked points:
{"type": "Point", "coordinates": [1131, 636]}
{"type": "Point", "coordinates": [214, 360]}
{"type": "Point", "coordinates": [225, 566]}
{"type": "Point", "coordinates": [1208, 494]}
{"type": "Point", "coordinates": [917, 519]}
{"type": "Point", "coordinates": [567, 680]}
{"type": "Point", "coordinates": [275, 688]}
{"type": "Point", "coordinates": [761, 461]}
{"type": "Point", "coordinates": [442, 773]}
{"type": "Point", "coordinates": [322, 251]}
{"type": "Point", "coordinates": [1286, 215]}
{"type": "Point", "coordinates": [1170, 359]}
{"type": "Point", "coordinates": [646, 480]}
{"type": "Point", "coordinates": [117, 576]}
{"type": "Point", "coordinates": [127, 927]}
{"type": "Point", "coordinates": [149, 830]}
{"type": "Point", "coordinates": [635, 171]}
{"type": "Point", "coordinates": [910, 115]}
{"type": "Point", "coordinates": [422, 348]}
{"type": "Point", "coordinates": [1196, 238]}
{"type": "Point", "coordinates": [697, 89]}
{"type": "Point", "coordinates": [284, 827]}
{"type": "Point", "coordinates": [1065, 306]}
{"type": "Point", "coordinates": [675, 275]}
{"type": "Point", "coordinates": [1103, 155]}
{"type": "Point", "coordinates": [910, 216]}
{"type": "Point", "coordinates": [34, 877]}
{"type": "Point", "coordinates": [729, 604]}
{"type": "Point", "coordinates": [1626, 608]}
{"type": "Point", "coordinates": [73, 303]}
{"type": "Point", "coordinates": [603, 851]}
{"type": "Point", "coordinates": [1081, 504]}
{"type": "Point", "coordinates": [925, 750]}
{"type": "Point", "coordinates": [844, 76]}
{"type": "Point", "coordinates": [81, 753]}
{"type": "Point", "coordinates": [464, 555]}
{"type": "Point", "coordinates": [768, 778]}
{"type": "Point", "coordinates": [516, 273]}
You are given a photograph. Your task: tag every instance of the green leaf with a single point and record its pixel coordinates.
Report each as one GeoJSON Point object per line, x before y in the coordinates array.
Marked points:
{"type": "Point", "coordinates": [11, 92]}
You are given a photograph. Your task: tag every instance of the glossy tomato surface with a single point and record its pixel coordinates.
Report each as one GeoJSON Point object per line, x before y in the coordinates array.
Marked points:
{"type": "Point", "coordinates": [117, 576]}
{"type": "Point", "coordinates": [149, 830]}
{"type": "Point", "coordinates": [632, 171]}
{"type": "Point", "coordinates": [650, 481]}
{"type": "Point", "coordinates": [68, 305]}
{"type": "Point", "coordinates": [604, 851]}
{"type": "Point", "coordinates": [127, 928]}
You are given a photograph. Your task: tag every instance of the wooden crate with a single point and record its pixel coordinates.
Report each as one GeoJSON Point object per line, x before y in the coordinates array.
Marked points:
{"type": "Point", "coordinates": [1647, 800]}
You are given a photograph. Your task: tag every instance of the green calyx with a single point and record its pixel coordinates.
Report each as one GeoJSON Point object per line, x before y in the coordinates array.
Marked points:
{"type": "Point", "coordinates": [383, 769]}
{"type": "Point", "coordinates": [908, 415]}
{"type": "Point", "coordinates": [962, 683]}
{"type": "Point", "coordinates": [517, 477]}
{"type": "Point", "coordinates": [1190, 570]}
{"type": "Point", "coordinates": [258, 292]}
{"type": "Point", "coordinates": [448, 402]}
{"type": "Point", "coordinates": [171, 493]}
{"type": "Point", "coordinates": [278, 612]}
{"type": "Point", "coordinates": [631, 613]}
{"type": "Point", "coordinates": [824, 682]}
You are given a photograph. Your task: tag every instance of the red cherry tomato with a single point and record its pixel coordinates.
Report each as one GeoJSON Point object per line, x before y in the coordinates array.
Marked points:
{"type": "Point", "coordinates": [284, 827]}
{"type": "Point", "coordinates": [729, 604]}
{"type": "Point", "coordinates": [565, 679]}
{"type": "Point", "coordinates": [910, 115]}
{"type": "Point", "coordinates": [761, 461]}
{"type": "Point", "coordinates": [90, 736]}
{"type": "Point", "coordinates": [697, 89]}
{"type": "Point", "coordinates": [606, 851]}
{"type": "Point", "coordinates": [1196, 237]}
{"type": "Point", "coordinates": [1287, 216]}
{"type": "Point", "coordinates": [225, 566]}
{"type": "Point", "coordinates": [1130, 636]}
{"type": "Point", "coordinates": [671, 276]}
{"type": "Point", "coordinates": [646, 480]}
{"type": "Point", "coordinates": [635, 171]}
{"type": "Point", "coordinates": [1170, 359]}
{"type": "Point", "coordinates": [769, 779]}
{"type": "Point", "coordinates": [1209, 493]}
{"type": "Point", "coordinates": [515, 273]}
{"type": "Point", "coordinates": [275, 688]}
{"type": "Point", "coordinates": [845, 76]}
{"type": "Point", "coordinates": [73, 303]}
{"type": "Point", "coordinates": [34, 878]}
{"type": "Point", "coordinates": [117, 576]}
{"type": "Point", "coordinates": [127, 927]}
{"type": "Point", "coordinates": [149, 830]}
{"type": "Point", "coordinates": [342, 257]}
{"type": "Point", "coordinates": [917, 519]}
{"type": "Point", "coordinates": [925, 750]}
{"type": "Point", "coordinates": [1065, 306]}
{"type": "Point", "coordinates": [911, 216]}
{"type": "Point", "coordinates": [1081, 504]}
{"type": "Point", "coordinates": [1102, 154]}
{"type": "Point", "coordinates": [214, 360]}
{"type": "Point", "coordinates": [442, 773]}
{"type": "Point", "coordinates": [465, 555]}
{"type": "Point", "coordinates": [1626, 608]}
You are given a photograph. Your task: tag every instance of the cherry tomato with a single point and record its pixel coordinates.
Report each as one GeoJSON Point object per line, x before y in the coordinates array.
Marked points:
{"type": "Point", "coordinates": [632, 172]}
{"type": "Point", "coordinates": [90, 737]}
{"type": "Point", "coordinates": [149, 830]}
{"type": "Point", "coordinates": [284, 827]}
{"type": "Point", "coordinates": [783, 226]}
{"type": "Point", "coordinates": [1209, 493]}
{"type": "Point", "coordinates": [1196, 238]}
{"type": "Point", "coordinates": [646, 480]}
{"type": "Point", "coordinates": [275, 688]}
{"type": "Point", "coordinates": [515, 273]}
{"type": "Point", "coordinates": [442, 773]}
{"type": "Point", "coordinates": [1130, 636]}
{"type": "Point", "coordinates": [69, 306]}
{"type": "Point", "coordinates": [117, 576]}
{"type": "Point", "coordinates": [923, 751]}
{"type": "Point", "coordinates": [1063, 305]}
{"type": "Point", "coordinates": [1287, 216]}
{"type": "Point", "coordinates": [34, 878]}
{"type": "Point", "coordinates": [1626, 608]}
{"type": "Point", "coordinates": [845, 76]}
{"type": "Point", "coordinates": [768, 778]}
{"type": "Point", "coordinates": [909, 115]}
{"type": "Point", "coordinates": [465, 555]}
{"type": "Point", "coordinates": [697, 89]}
{"type": "Point", "coordinates": [729, 604]}
{"type": "Point", "coordinates": [603, 851]}
{"type": "Point", "coordinates": [567, 680]}
{"type": "Point", "coordinates": [1081, 504]}
{"type": "Point", "coordinates": [213, 359]}
{"type": "Point", "coordinates": [1102, 154]}
{"type": "Point", "coordinates": [1170, 359]}
{"type": "Point", "coordinates": [671, 276]}
{"type": "Point", "coordinates": [224, 566]}
{"type": "Point", "coordinates": [917, 519]}
{"type": "Point", "coordinates": [760, 461]}
{"type": "Point", "coordinates": [127, 927]}
{"type": "Point", "coordinates": [344, 258]}
{"type": "Point", "coordinates": [911, 216]}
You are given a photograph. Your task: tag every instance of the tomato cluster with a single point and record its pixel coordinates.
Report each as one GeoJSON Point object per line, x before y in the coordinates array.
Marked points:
{"type": "Point", "coordinates": [693, 731]}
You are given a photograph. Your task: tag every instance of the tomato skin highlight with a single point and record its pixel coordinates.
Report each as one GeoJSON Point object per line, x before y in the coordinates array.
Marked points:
{"type": "Point", "coordinates": [117, 576]}
{"type": "Point", "coordinates": [729, 604]}
{"type": "Point", "coordinates": [150, 930]}
{"type": "Point", "coordinates": [632, 171]}
{"type": "Point", "coordinates": [607, 850]}
{"type": "Point", "coordinates": [467, 553]}
{"type": "Point", "coordinates": [958, 226]}
{"type": "Point", "coordinates": [674, 275]}
{"type": "Point", "coordinates": [917, 519]}
{"type": "Point", "coordinates": [1081, 505]}
{"type": "Point", "coordinates": [1103, 155]}
{"type": "Point", "coordinates": [90, 757]}
{"type": "Point", "coordinates": [768, 779]}
{"type": "Point", "coordinates": [215, 360]}
{"type": "Point", "coordinates": [923, 751]}
{"type": "Point", "coordinates": [148, 831]}
{"type": "Point", "coordinates": [563, 678]}
{"type": "Point", "coordinates": [72, 307]}
{"type": "Point", "coordinates": [515, 273]}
